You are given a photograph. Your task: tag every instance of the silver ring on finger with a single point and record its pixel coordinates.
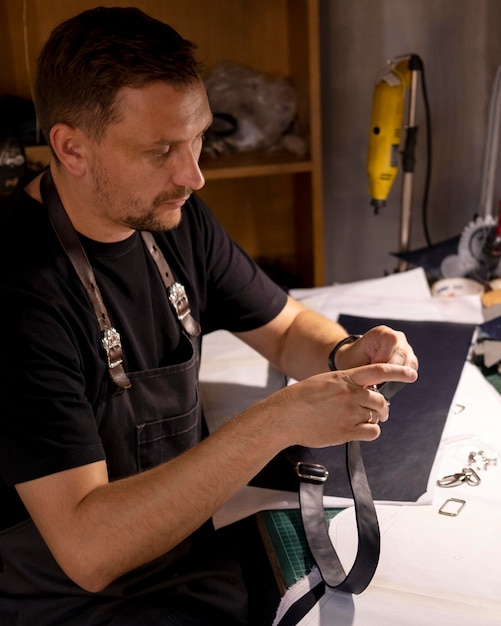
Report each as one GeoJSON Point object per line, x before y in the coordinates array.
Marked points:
{"type": "Point", "coordinates": [371, 417]}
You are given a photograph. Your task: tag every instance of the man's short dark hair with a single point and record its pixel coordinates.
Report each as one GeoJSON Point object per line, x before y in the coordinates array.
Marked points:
{"type": "Point", "coordinates": [90, 57]}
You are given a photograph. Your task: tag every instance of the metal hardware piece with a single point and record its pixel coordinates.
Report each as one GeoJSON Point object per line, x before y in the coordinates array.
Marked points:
{"type": "Point", "coordinates": [472, 478]}
{"type": "Point", "coordinates": [312, 471]}
{"type": "Point", "coordinates": [112, 346]}
{"type": "Point", "coordinates": [179, 300]}
{"type": "Point", "coordinates": [446, 509]}
{"type": "Point", "coordinates": [481, 460]}
{"type": "Point", "coordinates": [467, 475]}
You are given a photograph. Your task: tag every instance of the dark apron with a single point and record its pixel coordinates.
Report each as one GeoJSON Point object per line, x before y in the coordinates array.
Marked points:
{"type": "Point", "coordinates": [154, 420]}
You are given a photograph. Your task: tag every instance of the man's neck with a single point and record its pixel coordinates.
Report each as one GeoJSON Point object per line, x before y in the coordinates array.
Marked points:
{"type": "Point", "coordinates": [82, 221]}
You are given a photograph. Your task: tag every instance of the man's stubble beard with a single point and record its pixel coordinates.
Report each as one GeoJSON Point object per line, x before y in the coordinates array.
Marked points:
{"type": "Point", "coordinates": [129, 211]}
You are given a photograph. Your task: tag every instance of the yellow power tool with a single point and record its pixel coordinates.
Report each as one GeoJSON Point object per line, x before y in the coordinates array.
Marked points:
{"type": "Point", "coordinates": [386, 125]}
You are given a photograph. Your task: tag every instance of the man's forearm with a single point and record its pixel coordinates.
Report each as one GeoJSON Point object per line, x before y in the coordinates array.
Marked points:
{"type": "Point", "coordinates": [310, 340]}
{"type": "Point", "coordinates": [298, 341]}
{"type": "Point", "coordinates": [99, 533]}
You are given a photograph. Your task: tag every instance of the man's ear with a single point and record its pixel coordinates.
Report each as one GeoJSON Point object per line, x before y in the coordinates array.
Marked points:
{"type": "Point", "coordinates": [69, 145]}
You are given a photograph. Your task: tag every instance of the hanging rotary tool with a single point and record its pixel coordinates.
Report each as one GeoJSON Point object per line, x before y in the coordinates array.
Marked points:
{"type": "Point", "coordinates": [386, 124]}
{"type": "Point", "coordinates": [396, 85]}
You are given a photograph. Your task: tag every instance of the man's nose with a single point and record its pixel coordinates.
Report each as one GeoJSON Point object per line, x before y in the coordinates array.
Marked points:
{"type": "Point", "coordinates": [187, 172]}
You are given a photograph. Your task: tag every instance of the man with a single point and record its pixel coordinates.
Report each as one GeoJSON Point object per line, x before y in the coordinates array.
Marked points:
{"type": "Point", "coordinates": [108, 482]}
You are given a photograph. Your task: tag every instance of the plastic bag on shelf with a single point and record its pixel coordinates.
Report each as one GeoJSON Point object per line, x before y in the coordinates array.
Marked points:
{"type": "Point", "coordinates": [252, 111]}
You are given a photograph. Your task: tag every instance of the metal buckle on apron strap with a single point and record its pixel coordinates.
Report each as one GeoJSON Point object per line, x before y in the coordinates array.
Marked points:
{"type": "Point", "coordinates": [180, 304]}
{"type": "Point", "coordinates": [179, 300]}
{"type": "Point", "coordinates": [112, 346]}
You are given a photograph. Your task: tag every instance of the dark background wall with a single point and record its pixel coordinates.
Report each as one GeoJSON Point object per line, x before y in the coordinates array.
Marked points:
{"type": "Point", "coordinates": [459, 43]}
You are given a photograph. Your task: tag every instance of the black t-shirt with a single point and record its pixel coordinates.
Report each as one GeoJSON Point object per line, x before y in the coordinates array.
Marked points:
{"type": "Point", "coordinates": [52, 365]}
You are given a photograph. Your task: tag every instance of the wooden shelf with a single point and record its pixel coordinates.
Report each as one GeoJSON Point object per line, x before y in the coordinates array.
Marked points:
{"type": "Point", "coordinates": [271, 203]}
{"type": "Point", "coordinates": [245, 165]}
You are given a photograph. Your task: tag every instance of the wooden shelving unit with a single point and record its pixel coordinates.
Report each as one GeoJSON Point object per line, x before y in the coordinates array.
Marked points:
{"type": "Point", "coordinates": [271, 203]}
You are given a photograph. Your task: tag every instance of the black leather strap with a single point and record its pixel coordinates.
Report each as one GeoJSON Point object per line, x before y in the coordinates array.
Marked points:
{"type": "Point", "coordinates": [311, 490]}
{"type": "Point", "coordinates": [312, 479]}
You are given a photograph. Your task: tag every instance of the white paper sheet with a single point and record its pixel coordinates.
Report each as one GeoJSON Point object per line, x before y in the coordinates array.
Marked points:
{"type": "Point", "coordinates": [433, 570]}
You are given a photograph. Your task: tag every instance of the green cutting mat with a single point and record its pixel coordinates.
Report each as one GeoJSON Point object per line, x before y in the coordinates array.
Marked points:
{"type": "Point", "coordinates": [494, 378]}
{"type": "Point", "coordinates": [285, 541]}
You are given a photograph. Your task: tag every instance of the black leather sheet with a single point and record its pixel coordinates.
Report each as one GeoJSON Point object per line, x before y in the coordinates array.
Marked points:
{"type": "Point", "coordinates": [399, 462]}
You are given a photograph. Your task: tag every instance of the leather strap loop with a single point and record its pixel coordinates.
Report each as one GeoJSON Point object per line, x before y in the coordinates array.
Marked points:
{"type": "Point", "coordinates": [311, 491]}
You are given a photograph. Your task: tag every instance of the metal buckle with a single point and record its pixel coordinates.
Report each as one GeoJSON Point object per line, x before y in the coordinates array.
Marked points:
{"type": "Point", "coordinates": [179, 300]}
{"type": "Point", "coordinates": [112, 345]}
{"type": "Point", "coordinates": [312, 471]}
{"type": "Point", "coordinates": [452, 507]}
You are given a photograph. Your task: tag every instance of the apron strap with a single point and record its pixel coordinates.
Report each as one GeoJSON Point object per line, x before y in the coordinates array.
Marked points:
{"type": "Point", "coordinates": [176, 291]}
{"type": "Point", "coordinates": [110, 337]}
{"type": "Point", "coordinates": [67, 235]}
